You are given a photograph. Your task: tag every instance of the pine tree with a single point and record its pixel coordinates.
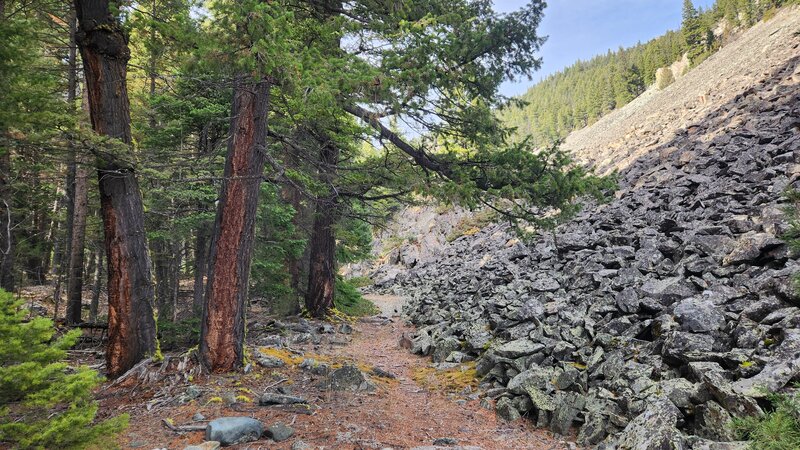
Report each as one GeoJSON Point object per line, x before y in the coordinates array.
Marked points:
{"type": "Point", "coordinates": [43, 402]}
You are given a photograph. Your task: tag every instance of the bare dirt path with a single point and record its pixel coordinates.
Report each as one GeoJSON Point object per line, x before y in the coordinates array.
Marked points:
{"type": "Point", "coordinates": [401, 413]}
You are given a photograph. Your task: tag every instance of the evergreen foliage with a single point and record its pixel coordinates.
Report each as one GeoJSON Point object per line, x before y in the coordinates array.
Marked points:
{"type": "Point", "coordinates": [43, 402]}
{"type": "Point", "coordinates": [778, 429]}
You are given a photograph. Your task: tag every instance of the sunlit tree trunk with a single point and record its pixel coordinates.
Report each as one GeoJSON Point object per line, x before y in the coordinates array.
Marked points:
{"type": "Point", "coordinates": [222, 331]}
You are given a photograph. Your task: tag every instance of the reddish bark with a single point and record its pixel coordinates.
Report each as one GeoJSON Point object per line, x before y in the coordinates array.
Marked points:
{"type": "Point", "coordinates": [131, 326]}
{"type": "Point", "coordinates": [222, 331]}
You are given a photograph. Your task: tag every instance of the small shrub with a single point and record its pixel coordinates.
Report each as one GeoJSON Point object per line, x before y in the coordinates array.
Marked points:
{"type": "Point", "coordinates": [359, 282]}
{"type": "Point", "coordinates": [43, 402]}
{"type": "Point", "coordinates": [179, 335]}
{"type": "Point", "coordinates": [472, 224]}
{"type": "Point", "coordinates": [348, 300]}
{"type": "Point", "coordinates": [776, 430]}
{"type": "Point", "coordinates": [664, 77]}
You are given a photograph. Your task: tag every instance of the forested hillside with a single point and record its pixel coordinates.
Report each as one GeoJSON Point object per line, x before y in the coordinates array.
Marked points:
{"type": "Point", "coordinates": [580, 94]}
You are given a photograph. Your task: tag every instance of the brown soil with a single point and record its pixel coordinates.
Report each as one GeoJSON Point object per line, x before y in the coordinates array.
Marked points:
{"type": "Point", "coordinates": [399, 414]}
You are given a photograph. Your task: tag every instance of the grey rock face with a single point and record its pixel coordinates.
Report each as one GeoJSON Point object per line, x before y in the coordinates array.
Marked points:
{"type": "Point", "coordinates": [234, 430]}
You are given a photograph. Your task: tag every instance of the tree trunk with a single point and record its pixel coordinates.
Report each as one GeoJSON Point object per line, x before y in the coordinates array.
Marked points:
{"type": "Point", "coordinates": [131, 326]}
{"type": "Point", "coordinates": [97, 284]}
{"type": "Point", "coordinates": [80, 209]}
{"type": "Point", "coordinates": [200, 265]}
{"type": "Point", "coordinates": [322, 270]}
{"type": "Point", "coordinates": [222, 331]}
{"type": "Point", "coordinates": [6, 239]}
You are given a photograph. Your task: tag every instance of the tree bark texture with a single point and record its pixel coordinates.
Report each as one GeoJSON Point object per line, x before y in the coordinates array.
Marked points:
{"type": "Point", "coordinates": [322, 248]}
{"type": "Point", "coordinates": [131, 326]}
{"type": "Point", "coordinates": [222, 331]}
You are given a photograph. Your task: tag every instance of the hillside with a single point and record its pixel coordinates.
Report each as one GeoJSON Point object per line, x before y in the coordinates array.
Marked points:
{"type": "Point", "coordinates": [706, 92]}
{"type": "Point", "coordinates": [585, 92]}
{"type": "Point", "coordinates": [654, 320]}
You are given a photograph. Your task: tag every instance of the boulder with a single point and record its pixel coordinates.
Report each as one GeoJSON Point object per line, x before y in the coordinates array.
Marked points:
{"type": "Point", "coordinates": [347, 378]}
{"type": "Point", "coordinates": [234, 430]}
{"type": "Point", "coordinates": [279, 432]}
{"type": "Point", "coordinates": [506, 411]}
{"type": "Point", "coordinates": [518, 348]}
{"type": "Point", "coordinates": [654, 429]}
{"type": "Point", "coordinates": [699, 315]}
{"type": "Point", "coordinates": [783, 367]}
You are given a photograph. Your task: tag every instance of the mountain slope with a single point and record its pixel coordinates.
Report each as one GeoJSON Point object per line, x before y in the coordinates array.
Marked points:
{"type": "Point", "coordinates": [657, 116]}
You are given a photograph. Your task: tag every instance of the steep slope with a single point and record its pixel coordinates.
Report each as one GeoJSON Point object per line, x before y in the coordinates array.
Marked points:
{"type": "Point", "coordinates": [650, 321]}
{"type": "Point", "coordinates": [656, 116]}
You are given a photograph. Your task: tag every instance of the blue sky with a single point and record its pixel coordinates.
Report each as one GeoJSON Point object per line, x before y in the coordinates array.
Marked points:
{"type": "Point", "coordinates": [580, 29]}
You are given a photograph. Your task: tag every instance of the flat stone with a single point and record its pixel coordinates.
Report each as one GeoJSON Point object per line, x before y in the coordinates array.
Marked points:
{"type": "Point", "coordinates": [270, 398]}
{"type": "Point", "coordinates": [207, 445]}
{"type": "Point", "coordinates": [234, 430]}
{"type": "Point", "coordinates": [518, 348]}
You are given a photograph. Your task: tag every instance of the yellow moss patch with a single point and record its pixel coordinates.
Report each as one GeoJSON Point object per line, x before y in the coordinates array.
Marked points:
{"type": "Point", "coordinates": [289, 358]}
{"type": "Point", "coordinates": [451, 380]}
{"type": "Point", "coordinates": [214, 400]}
{"type": "Point", "coordinates": [244, 399]}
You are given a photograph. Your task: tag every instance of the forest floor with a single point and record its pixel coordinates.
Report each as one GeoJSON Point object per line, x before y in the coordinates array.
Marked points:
{"type": "Point", "coordinates": [417, 407]}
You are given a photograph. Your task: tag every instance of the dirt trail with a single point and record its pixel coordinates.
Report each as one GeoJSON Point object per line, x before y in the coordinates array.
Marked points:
{"type": "Point", "coordinates": [399, 414]}
{"type": "Point", "coordinates": [402, 414]}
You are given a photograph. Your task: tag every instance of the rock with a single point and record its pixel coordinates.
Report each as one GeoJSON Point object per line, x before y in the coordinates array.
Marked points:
{"type": "Point", "coordinates": [518, 348]}
{"type": "Point", "coordinates": [234, 430]}
{"type": "Point", "coordinates": [722, 391]}
{"type": "Point", "coordinates": [279, 432]}
{"type": "Point", "coordinates": [192, 392]}
{"type": "Point", "coordinates": [207, 445]}
{"type": "Point", "coordinates": [270, 398]}
{"type": "Point", "coordinates": [568, 406]}
{"type": "Point", "coordinates": [750, 247]}
{"type": "Point", "coordinates": [347, 378]}
{"type": "Point", "coordinates": [269, 362]}
{"type": "Point", "coordinates": [301, 445]}
{"type": "Point", "coordinates": [198, 417]}
{"type": "Point", "coordinates": [443, 348]}
{"type": "Point", "coordinates": [445, 441]}
{"type": "Point", "coordinates": [699, 315]}
{"type": "Point", "coordinates": [506, 411]}
{"type": "Point", "coordinates": [784, 366]}
{"type": "Point", "coordinates": [654, 429]}
{"type": "Point", "coordinates": [713, 422]}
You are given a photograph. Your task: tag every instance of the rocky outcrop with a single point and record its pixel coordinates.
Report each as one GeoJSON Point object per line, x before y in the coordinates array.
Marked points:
{"type": "Point", "coordinates": [649, 321]}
